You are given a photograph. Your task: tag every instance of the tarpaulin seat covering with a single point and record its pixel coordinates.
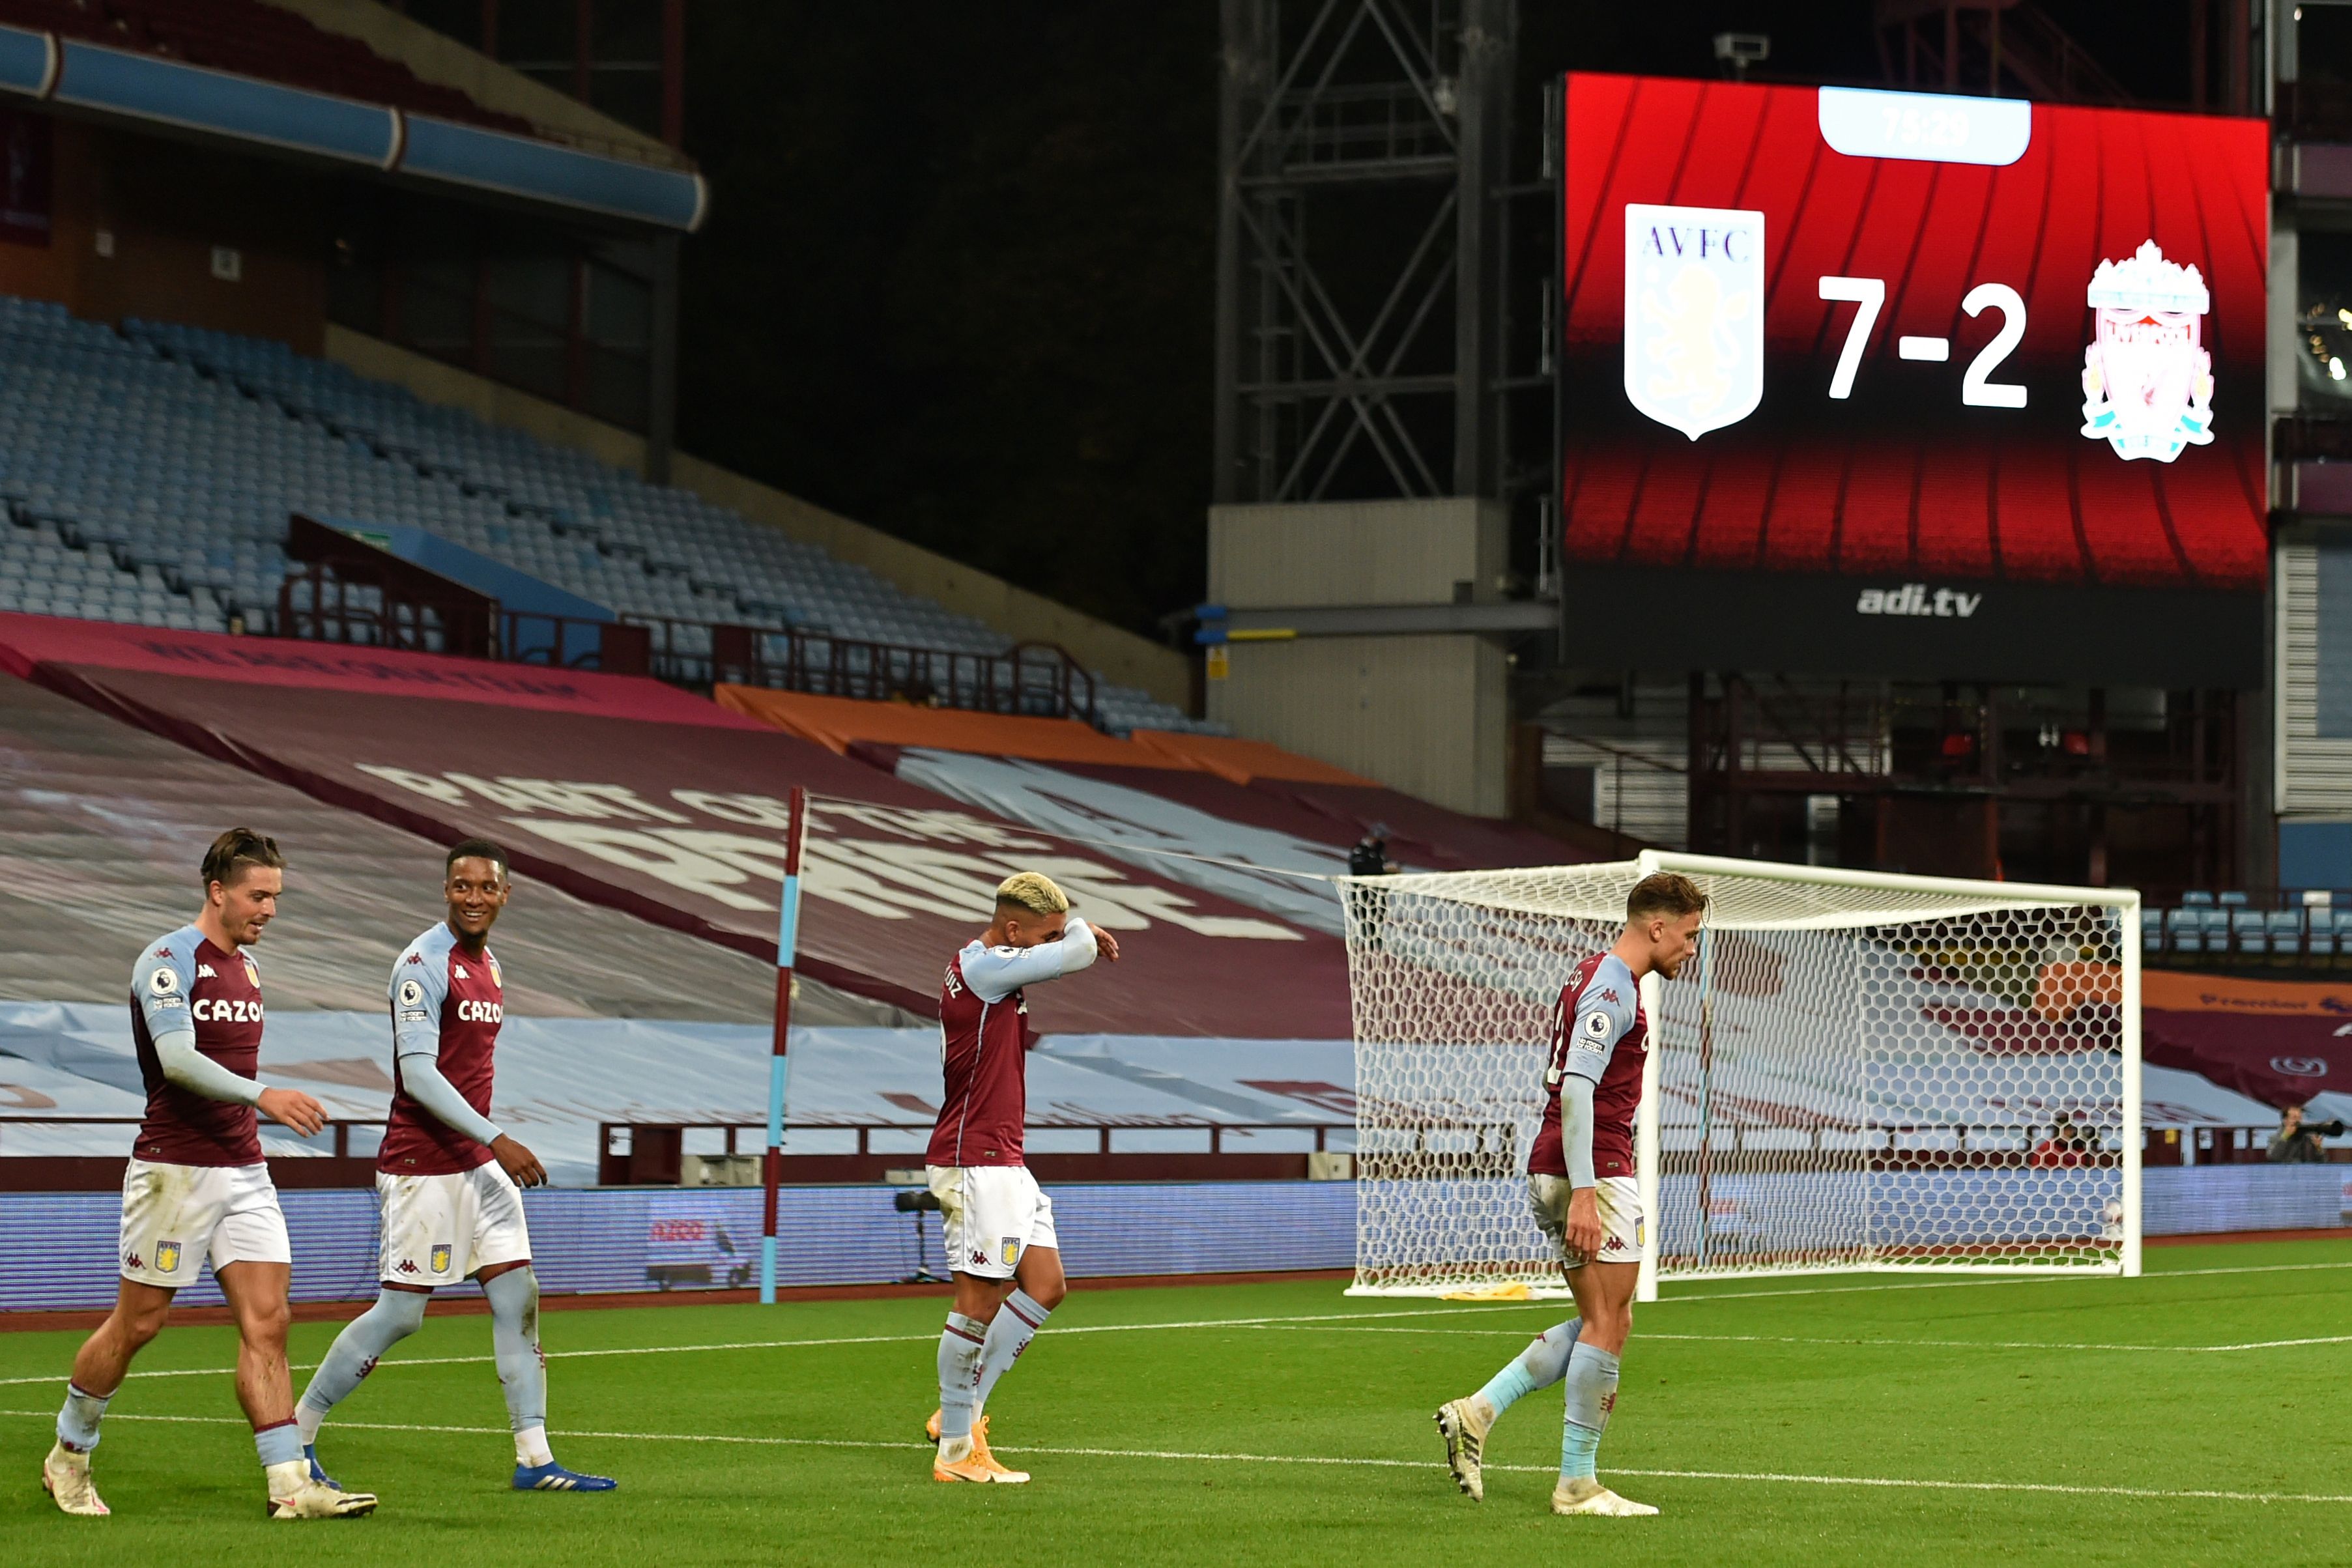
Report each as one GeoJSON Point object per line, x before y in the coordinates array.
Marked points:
{"type": "Point", "coordinates": [631, 794]}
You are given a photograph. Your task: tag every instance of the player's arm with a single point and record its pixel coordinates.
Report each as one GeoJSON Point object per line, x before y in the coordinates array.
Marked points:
{"type": "Point", "coordinates": [162, 986]}
{"type": "Point", "coordinates": [995, 973]}
{"type": "Point", "coordinates": [419, 995]}
{"type": "Point", "coordinates": [1591, 1041]}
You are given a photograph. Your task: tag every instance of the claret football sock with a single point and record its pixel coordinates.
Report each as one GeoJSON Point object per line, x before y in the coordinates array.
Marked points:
{"type": "Point", "coordinates": [395, 1315]}
{"type": "Point", "coordinates": [78, 1422]}
{"type": "Point", "coordinates": [522, 1370]}
{"type": "Point", "coordinates": [1014, 1326]}
{"type": "Point", "coordinates": [1592, 1392]}
{"type": "Point", "coordinates": [1542, 1364]}
{"type": "Point", "coordinates": [961, 1344]}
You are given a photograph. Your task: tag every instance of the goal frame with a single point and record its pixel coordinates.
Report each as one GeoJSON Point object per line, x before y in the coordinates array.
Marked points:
{"type": "Point", "coordinates": [1648, 1164]}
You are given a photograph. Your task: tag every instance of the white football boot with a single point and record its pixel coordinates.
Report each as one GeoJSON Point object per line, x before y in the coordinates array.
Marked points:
{"type": "Point", "coordinates": [65, 1476]}
{"type": "Point", "coordinates": [1463, 1424]}
{"type": "Point", "coordinates": [1588, 1495]}
{"type": "Point", "coordinates": [294, 1495]}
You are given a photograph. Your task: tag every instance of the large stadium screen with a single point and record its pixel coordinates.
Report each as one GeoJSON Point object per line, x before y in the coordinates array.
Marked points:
{"type": "Point", "coordinates": [1866, 383]}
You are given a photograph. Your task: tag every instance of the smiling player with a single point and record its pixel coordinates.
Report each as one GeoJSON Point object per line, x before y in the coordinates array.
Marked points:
{"type": "Point", "coordinates": [1583, 1186]}
{"type": "Point", "coordinates": [447, 1174]}
{"type": "Point", "coordinates": [1000, 1227]}
{"type": "Point", "coordinates": [197, 1186]}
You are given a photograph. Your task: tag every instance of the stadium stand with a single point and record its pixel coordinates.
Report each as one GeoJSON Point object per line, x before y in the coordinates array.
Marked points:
{"type": "Point", "coordinates": [1209, 796]}
{"type": "Point", "coordinates": [593, 530]}
{"type": "Point", "coordinates": [252, 38]}
{"type": "Point", "coordinates": [641, 798]}
{"type": "Point", "coordinates": [114, 816]}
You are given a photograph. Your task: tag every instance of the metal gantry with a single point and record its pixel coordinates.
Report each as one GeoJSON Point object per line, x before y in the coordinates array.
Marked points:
{"type": "Point", "coordinates": [1361, 234]}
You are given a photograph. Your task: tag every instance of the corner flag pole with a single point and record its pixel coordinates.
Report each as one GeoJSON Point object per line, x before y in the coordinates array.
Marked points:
{"type": "Point", "coordinates": [788, 915]}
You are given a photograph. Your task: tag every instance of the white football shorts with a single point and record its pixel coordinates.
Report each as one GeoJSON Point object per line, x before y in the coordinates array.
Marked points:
{"type": "Point", "coordinates": [438, 1229]}
{"type": "Point", "coordinates": [1624, 1238]}
{"type": "Point", "coordinates": [174, 1216]}
{"type": "Point", "coordinates": [993, 1214]}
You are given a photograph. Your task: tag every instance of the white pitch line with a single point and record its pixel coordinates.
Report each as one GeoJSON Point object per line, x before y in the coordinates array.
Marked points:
{"type": "Point", "coordinates": [1766, 1477]}
{"type": "Point", "coordinates": [2001, 1280]}
{"type": "Point", "coordinates": [926, 1338]}
{"type": "Point", "coordinates": [1333, 1323]}
{"type": "Point", "coordinates": [1875, 1343]}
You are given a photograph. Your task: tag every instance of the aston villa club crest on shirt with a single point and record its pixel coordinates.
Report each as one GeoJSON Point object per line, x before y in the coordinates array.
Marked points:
{"type": "Point", "coordinates": [1693, 315]}
{"type": "Point", "coordinates": [252, 975]}
{"type": "Point", "coordinates": [2147, 379]}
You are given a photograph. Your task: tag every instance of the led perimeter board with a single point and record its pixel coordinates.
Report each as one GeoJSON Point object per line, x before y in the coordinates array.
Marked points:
{"type": "Point", "coordinates": [1900, 384]}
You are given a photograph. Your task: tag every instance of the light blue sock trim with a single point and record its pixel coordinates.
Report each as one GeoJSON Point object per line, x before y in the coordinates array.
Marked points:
{"type": "Point", "coordinates": [1580, 1450]}
{"type": "Point", "coordinates": [1507, 1387]}
{"type": "Point", "coordinates": [960, 1344]}
{"type": "Point", "coordinates": [77, 1421]}
{"type": "Point", "coordinates": [1540, 1366]}
{"type": "Point", "coordinates": [278, 1444]}
{"type": "Point", "coordinates": [1590, 1392]}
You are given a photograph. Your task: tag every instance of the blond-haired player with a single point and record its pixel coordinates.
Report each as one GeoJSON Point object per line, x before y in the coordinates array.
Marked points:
{"type": "Point", "coordinates": [1581, 1186]}
{"type": "Point", "coordinates": [1000, 1227]}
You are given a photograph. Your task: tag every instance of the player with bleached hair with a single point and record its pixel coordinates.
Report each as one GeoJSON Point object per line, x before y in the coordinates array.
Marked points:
{"type": "Point", "coordinates": [1000, 1228]}
{"type": "Point", "coordinates": [1583, 1188]}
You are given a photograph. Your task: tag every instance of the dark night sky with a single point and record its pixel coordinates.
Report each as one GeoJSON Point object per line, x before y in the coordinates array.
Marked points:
{"type": "Point", "coordinates": [959, 278]}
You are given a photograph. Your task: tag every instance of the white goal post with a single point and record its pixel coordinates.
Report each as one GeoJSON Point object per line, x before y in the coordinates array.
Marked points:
{"type": "Point", "coordinates": [1855, 1070]}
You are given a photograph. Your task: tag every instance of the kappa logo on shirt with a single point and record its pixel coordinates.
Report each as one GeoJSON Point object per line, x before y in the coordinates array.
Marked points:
{"type": "Point", "coordinates": [205, 972]}
{"type": "Point", "coordinates": [461, 971]}
{"type": "Point", "coordinates": [1609, 995]}
{"type": "Point", "coordinates": [162, 952]}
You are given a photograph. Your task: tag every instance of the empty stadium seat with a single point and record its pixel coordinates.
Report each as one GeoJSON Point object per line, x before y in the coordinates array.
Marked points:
{"type": "Point", "coordinates": [150, 475]}
{"type": "Point", "coordinates": [593, 530]}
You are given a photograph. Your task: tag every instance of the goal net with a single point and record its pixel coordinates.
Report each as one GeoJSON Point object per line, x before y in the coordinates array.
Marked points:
{"type": "Point", "coordinates": [1855, 1071]}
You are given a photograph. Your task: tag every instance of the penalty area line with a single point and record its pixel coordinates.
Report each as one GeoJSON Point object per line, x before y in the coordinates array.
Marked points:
{"type": "Point", "coordinates": [1754, 1478]}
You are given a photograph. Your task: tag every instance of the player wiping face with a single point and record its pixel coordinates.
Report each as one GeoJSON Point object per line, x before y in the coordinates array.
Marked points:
{"type": "Point", "coordinates": [1582, 1188]}
{"type": "Point", "coordinates": [999, 1224]}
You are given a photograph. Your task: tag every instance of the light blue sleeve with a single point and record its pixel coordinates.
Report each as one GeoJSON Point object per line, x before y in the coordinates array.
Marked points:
{"type": "Point", "coordinates": [418, 993]}
{"type": "Point", "coordinates": [1576, 1130]}
{"type": "Point", "coordinates": [161, 985]}
{"type": "Point", "coordinates": [1594, 1034]}
{"type": "Point", "coordinates": [995, 973]}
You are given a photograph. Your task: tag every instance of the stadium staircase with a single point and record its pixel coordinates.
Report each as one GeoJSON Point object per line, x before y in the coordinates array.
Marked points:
{"type": "Point", "coordinates": [152, 473]}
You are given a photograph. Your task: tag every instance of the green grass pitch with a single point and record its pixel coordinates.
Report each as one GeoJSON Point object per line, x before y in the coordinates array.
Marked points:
{"type": "Point", "coordinates": [2193, 1415]}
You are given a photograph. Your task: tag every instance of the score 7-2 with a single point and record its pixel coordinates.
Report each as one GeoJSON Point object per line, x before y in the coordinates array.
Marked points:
{"type": "Point", "coordinates": [1976, 387]}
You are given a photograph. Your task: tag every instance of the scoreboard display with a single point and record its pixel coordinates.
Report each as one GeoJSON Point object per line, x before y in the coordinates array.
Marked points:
{"type": "Point", "coordinates": [1885, 383]}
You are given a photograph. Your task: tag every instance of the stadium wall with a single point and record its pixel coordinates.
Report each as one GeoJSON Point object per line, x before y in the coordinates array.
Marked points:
{"type": "Point", "coordinates": [1118, 654]}
{"type": "Point", "coordinates": [1426, 714]}
{"type": "Point", "coordinates": [162, 209]}
{"type": "Point", "coordinates": [57, 1249]}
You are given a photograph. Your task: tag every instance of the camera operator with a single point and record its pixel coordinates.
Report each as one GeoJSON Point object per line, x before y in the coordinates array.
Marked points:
{"type": "Point", "coordinates": [2296, 1143]}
